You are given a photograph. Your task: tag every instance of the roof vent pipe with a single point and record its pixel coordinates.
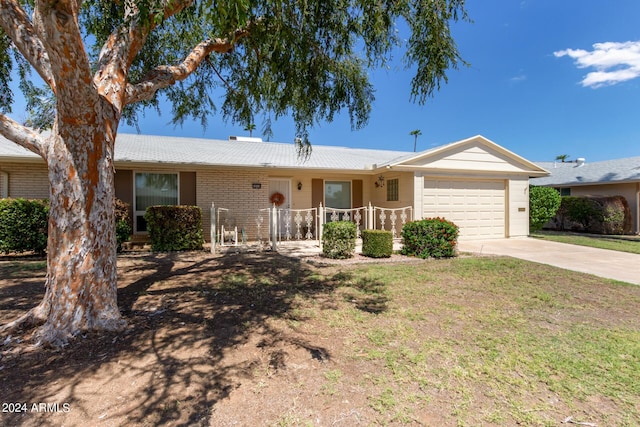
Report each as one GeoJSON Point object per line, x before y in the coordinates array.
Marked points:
{"type": "Point", "coordinates": [580, 161]}
{"type": "Point", "coordinates": [244, 139]}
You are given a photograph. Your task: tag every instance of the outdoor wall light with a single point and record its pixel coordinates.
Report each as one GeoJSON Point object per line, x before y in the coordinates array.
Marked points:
{"type": "Point", "coordinates": [380, 181]}
{"type": "Point", "coordinates": [299, 185]}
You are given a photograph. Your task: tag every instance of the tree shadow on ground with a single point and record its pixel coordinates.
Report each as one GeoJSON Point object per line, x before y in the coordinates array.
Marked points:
{"type": "Point", "coordinates": [185, 313]}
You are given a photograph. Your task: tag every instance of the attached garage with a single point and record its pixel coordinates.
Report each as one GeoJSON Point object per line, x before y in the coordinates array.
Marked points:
{"type": "Point", "coordinates": [475, 183]}
{"type": "Point", "coordinates": [477, 207]}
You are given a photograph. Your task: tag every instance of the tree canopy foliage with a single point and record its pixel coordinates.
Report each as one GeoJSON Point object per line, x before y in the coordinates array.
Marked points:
{"type": "Point", "coordinates": [307, 59]}
{"type": "Point", "coordinates": [104, 61]}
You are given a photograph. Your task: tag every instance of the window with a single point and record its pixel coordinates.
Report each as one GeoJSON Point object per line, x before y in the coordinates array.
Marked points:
{"type": "Point", "coordinates": [337, 194]}
{"type": "Point", "coordinates": [564, 191]}
{"type": "Point", "coordinates": [392, 190]}
{"type": "Point", "coordinates": [153, 189]}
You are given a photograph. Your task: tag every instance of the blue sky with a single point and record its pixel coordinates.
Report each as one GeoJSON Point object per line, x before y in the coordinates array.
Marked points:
{"type": "Point", "coordinates": [546, 77]}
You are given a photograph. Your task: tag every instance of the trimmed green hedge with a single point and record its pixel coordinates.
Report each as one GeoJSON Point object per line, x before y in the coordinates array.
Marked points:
{"type": "Point", "coordinates": [339, 239]}
{"type": "Point", "coordinates": [174, 228]}
{"type": "Point", "coordinates": [24, 225]}
{"type": "Point", "coordinates": [431, 237]}
{"type": "Point", "coordinates": [543, 205]}
{"type": "Point", "coordinates": [377, 243]}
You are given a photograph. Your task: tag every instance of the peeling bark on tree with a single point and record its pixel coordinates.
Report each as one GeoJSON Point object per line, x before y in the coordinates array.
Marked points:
{"type": "Point", "coordinates": [81, 289]}
{"type": "Point", "coordinates": [81, 283]}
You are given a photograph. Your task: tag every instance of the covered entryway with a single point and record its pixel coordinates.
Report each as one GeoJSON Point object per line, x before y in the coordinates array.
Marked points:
{"type": "Point", "coordinates": [477, 207]}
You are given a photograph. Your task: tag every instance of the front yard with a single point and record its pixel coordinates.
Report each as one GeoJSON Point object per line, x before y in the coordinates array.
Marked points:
{"type": "Point", "coordinates": [262, 339]}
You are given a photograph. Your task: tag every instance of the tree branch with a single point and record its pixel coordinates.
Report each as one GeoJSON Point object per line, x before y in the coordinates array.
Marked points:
{"type": "Point", "coordinates": [57, 23]}
{"type": "Point", "coordinates": [121, 48]}
{"type": "Point", "coordinates": [15, 22]}
{"type": "Point", "coordinates": [165, 76]}
{"type": "Point", "coordinates": [22, 135]}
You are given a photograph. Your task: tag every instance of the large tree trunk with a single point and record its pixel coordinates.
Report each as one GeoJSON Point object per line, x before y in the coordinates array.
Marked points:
{"type": "Point", "coordinates": [81, 288]}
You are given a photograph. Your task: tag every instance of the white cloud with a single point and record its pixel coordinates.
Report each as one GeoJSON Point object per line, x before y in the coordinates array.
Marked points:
{"type": "Point", "coordinates": [613, 62]}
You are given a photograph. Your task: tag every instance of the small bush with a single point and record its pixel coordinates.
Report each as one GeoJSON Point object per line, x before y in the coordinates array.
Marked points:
{"type": "Point", "coordinates": [431, 237]}
{"type": "Point", "coordinates": [124, 227]}
{"type": "Point", "coordinates": [23, 225]}
{"type": "Point", "coordinates": [339, 239]}
{"type": "Point", "coordinates": [377, 243]}
{"type": "Point", "coordinates": [174, 228]}
{"type": "Point", "coordinates": [594, 214]}
{"type": "Point", "coordinates": [543, 205]}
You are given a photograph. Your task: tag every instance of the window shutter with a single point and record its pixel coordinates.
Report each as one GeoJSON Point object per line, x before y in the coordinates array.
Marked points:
{"type": "Point", "coordinates": [317, 192]}
{"type": "Point", "coordinates": [357, 185]}
{"type": "Point", "coordinates": [188, 188]}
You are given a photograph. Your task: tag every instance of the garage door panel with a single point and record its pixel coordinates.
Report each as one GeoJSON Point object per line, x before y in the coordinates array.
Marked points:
{"type": "Point", "coordinates": [478, 208]}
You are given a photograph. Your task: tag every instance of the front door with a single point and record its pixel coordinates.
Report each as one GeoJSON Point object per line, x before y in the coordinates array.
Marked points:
{"type": "Point", "coordinates": [281, 187]}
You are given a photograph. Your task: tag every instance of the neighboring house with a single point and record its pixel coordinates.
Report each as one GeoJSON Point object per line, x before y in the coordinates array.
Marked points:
{"type": "Point", "coordinates": [619, 177]}
{"type": "Point", "coordinates": [475, 183]}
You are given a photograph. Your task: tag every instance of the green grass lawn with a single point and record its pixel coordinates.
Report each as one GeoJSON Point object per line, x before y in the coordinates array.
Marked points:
{"type": "Point", "coordinates": [613, 243]}
{"type": "Point", "coordinates": [499, 341]}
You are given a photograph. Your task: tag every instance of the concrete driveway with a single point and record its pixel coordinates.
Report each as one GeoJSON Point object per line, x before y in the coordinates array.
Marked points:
{"type": "Point", "coordinates": [600, 262]}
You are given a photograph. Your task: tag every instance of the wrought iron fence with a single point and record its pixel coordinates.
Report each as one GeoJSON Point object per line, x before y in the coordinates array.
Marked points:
{"type": "Point", "coordinates": [296, 224]}
{"type": "Point", "coordinates": [273, 225]}
{"type": "Point", "coordinates": [382, 215]}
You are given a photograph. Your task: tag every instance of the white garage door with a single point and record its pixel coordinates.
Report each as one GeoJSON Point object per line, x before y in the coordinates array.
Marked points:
{"type": "Point", "coordinates": [478, 208]}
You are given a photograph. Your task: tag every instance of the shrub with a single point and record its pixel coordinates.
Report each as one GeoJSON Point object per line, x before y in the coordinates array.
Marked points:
{"type": "Point", "coordinates": [543, 205]}
{"type": "Point", "coordinates": [23, 225]}
{"type": "Point", "coordinates": [124, 226]}
{"type": "Point", "coordinates": [377, 243]}
{"type": "Point", "coordinates": [339, 239]}
{"type": "Point", "coordinates": [594, 214]}
{"type": "Point", "coordinates": [431, 237]}
{"type": "Point", "coordinates": [174, 228]}
{"type": "Point", "coordinates": [123, 233]}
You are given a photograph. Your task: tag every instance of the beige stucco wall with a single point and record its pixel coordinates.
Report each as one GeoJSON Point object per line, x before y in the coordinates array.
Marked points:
{"type": "Point", "coordinates": [517, 201]}
{"type": "Point", "coordinates": [628, 190]}
{"type": "Point", "coordinates": [405, 189]}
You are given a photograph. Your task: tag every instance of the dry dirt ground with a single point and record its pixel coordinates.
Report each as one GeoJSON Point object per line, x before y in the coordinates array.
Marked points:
{"type": "Point", "coordinates": [202, 347]}
{"type": "Point", "coordinates": [211, 340]}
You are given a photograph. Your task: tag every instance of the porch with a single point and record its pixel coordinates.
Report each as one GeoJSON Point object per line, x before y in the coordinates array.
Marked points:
{"type": "Point", "coordinates": [277, 228]}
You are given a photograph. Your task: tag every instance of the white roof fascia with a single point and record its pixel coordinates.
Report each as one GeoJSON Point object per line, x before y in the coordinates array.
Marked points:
{"type": "Point", "coordinates": [533, 169]}
{"type": "Point", "coordinates": [425, 169]}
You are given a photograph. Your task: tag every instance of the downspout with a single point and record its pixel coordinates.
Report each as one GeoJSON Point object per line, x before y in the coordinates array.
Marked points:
{"type": "Point", "coordinates": [4, 184]}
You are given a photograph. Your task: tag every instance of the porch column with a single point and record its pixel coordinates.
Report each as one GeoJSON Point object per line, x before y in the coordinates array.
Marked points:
{"type": "Point", "coordinates": [213, 228]}
{"type": "Point", "coordinates": [274, 228]}
{"type": "Point", "coordinates": [418, 190]}
{"type": "Point", "coordinates": [320, 222]}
